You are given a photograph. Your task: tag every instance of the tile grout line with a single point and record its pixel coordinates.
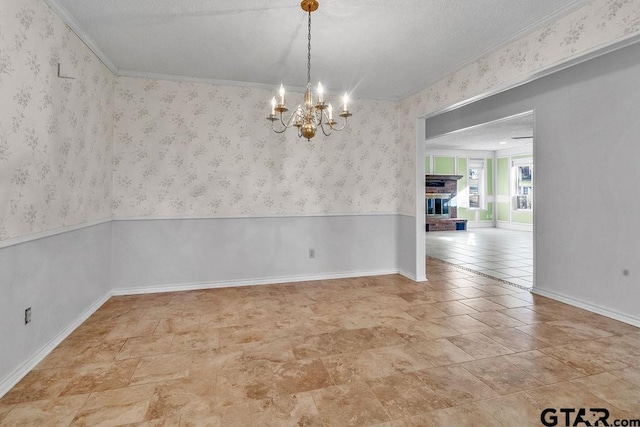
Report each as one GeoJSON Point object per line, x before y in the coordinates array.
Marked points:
{"type": "Point", "coordinates": [506, 282]}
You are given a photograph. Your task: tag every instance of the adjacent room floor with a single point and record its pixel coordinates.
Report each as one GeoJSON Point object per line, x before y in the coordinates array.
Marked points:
{"type": "Point", "coordinates": [496, 252]}
{"type": "Point", "coordinates": [458, 350]}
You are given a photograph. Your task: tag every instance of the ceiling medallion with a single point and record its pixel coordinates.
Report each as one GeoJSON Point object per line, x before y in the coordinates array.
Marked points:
{"type": "Point", "coordinates": [309, 116]}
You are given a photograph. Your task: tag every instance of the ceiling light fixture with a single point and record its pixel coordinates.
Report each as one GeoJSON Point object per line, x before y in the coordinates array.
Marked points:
{"type": "Point", "coordinates": [309, 116]}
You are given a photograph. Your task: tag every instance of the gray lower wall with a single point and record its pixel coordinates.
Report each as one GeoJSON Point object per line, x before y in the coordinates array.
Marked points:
{"type": "Point", "coordinates": [147, 254]}
{"type": "Point", "coordinates": [59, 277]}
{"type": "Point", "coordinates": [407, 245]}
{"type": "Point", "coordinates": [587, 155]}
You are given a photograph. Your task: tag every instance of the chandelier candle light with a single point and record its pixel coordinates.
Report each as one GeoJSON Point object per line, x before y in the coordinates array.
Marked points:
{"type": "Point", "coordinates": [308, 117]}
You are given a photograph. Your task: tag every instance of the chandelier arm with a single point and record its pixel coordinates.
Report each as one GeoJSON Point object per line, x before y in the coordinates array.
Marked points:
{"type": "Point", "coordinates": [273, 128]}
{"type": "Point", "coordinates": [330, 122]}
{"type": "Point", "coordinates": [338, 129]}
{"type": "Point", "coordinates": [290, 121]}
{"type": "Point", "coordinates": [324, 116]}
{"type": "Point", "coordinates": [287, 125]}
{"type": "Point", "coordinates": [284, 125]}
{"type": "Point", "coordinates": [323, 129]}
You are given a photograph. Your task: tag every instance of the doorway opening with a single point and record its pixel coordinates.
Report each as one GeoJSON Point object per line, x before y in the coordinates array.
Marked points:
{"type": "Point", "coordinates": [493, 202]}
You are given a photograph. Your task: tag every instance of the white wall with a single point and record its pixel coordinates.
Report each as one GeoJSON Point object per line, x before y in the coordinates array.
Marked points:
{"type": "Point", "coordinates": [407, 257]}
{"type": "Point", "coordinates": [55, 175]}
{"type": "Point", "coordinates": [586, 131]}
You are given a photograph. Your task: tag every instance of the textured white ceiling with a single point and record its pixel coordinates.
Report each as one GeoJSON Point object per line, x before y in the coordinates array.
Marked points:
{"type": "Point", "coordinates": [488, 136]}
{"type": "Point", "coordinates": [384, 49]}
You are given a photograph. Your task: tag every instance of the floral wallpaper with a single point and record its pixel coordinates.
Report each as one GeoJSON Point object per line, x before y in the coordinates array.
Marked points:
{"type": "Point", "coordinates": [593, 26]}
{"type": "Point", "coordinates": [77, 150]}
{"type": "Point", "coordinates": [201, 150]}
{"type": "Point", "coordinates": [55, 134]}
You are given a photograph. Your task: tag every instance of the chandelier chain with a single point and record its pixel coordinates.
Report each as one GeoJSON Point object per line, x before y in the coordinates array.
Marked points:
{"type": "Point", "coordinates": [309, 52]}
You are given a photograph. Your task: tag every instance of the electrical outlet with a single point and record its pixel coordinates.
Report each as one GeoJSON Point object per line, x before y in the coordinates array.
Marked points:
{"type": "Point", "coordinates": [312, 253]}
{"type": "Point", "coordinates": [27, 316]}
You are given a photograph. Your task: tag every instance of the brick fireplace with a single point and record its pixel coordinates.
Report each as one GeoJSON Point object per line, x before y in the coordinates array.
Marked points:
{"type": "Point", "coordinates": [441, 212]}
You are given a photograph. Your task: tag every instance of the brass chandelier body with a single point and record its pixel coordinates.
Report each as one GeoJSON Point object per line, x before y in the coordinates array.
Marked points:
{"type": "Point", "coordinates": [310, 116]}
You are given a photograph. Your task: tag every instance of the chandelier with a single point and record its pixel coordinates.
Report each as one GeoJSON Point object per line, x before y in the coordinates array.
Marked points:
{"type": "Point", "coordinates": [309, 116]}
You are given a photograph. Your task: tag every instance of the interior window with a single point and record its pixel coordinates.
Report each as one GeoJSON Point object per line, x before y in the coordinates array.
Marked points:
{"type": "Point", "coordinates": [476, 184]}
{"type": "Point", "coordinates": [524, 187]}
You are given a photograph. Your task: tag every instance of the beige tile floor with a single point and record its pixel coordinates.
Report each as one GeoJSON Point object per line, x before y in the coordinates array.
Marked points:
{"type": "Point", "coordinates": [385, 351]}
{"type": "Point", "coordinates": [496, 252]}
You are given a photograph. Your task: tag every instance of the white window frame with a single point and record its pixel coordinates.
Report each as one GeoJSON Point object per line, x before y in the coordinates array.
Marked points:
{"type": "Point", "coordinates": [515, 165]}
{"type": "Point", "coordinates": [478, 164]}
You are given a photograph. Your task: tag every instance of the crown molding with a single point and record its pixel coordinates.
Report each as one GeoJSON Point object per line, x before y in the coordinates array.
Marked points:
{"type": "Point", "coordinates": [564, 11]}
{"type": "Point", "coordinates": [188, 79]}
{"type": "Point", "coordinates": [235, 83]}
{"type": "Point", "coordinates": [71, 22]}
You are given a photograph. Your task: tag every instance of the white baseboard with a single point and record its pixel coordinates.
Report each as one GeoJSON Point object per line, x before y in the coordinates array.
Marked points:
{"type": "Point", "coordinates": [412, 276]}
{"type": "Point", "coordinates": [12, 379]}
{"type": "Point", "coordinates": [246, 282]}
{"type": "Point", "coordinates": [408, 275]}
{"type": "Point", "coordinates": [513, 226]}
{"type": "Point", "coordinates": [634, 321]}
{"type": "Point", "coordinates": [482, 224]}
